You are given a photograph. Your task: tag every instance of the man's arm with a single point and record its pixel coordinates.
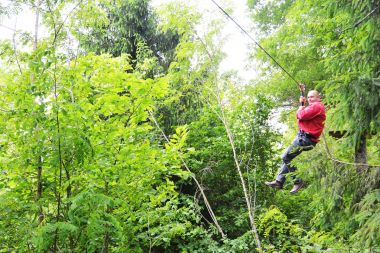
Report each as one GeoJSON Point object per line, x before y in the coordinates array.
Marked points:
{"type": "Point", "coordinates": [309, 112]}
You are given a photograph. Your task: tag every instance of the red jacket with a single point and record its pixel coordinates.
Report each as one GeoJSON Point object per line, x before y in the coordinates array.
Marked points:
{"type": "Point", "coordinates": [311, 119]}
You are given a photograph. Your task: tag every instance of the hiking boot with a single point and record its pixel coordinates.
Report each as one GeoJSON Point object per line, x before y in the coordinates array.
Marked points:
{"type": "Point", "coordinates": [297, 187]}
{"type": "Point", "coordinates": [274, 184]}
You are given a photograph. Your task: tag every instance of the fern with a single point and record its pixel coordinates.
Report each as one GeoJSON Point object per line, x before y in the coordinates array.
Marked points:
{"type": "Point", "coordinates": [368, 217]}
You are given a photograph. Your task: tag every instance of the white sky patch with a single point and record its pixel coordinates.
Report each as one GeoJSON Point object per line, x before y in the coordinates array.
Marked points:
{"type": "Point", "coordinates": [23, 22]}
{"type": "Point", "coordinates": [235, 46]}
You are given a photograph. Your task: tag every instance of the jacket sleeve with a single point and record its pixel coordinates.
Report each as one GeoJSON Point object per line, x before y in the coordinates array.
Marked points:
{"type": "Point", "coordinates": [309, 112]}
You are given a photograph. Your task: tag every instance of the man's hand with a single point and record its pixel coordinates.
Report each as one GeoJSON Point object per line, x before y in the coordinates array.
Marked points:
{"type": "Point", "coordinates": [302, 98]}
{"type": "Point", "coordinates": [302, 102]}
{"type": "Point", "coordinates": [301, 108]}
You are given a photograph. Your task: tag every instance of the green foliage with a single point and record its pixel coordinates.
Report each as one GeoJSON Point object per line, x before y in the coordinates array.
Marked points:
{"type": "Point", "coordinates": [254, 143]}
{"type": "Point", "coordinates": [269, 14]}
{"type": "Point", "coordinates": [124, 28]}
{"type": "Point", "coordinates": [84, 168]}
{"type": "Point", "coordinates": [7, 9]}
{"type": "Point", "coordinates": [279, 234]}
{"type": "Point", "coordinates": [323, 242]}
{"type": "Point", "coordinates": [368, 217]}
{"type": "Point", "coordinates": [183, 102]}
{"type": "Point", "coordinates": [93, 145]}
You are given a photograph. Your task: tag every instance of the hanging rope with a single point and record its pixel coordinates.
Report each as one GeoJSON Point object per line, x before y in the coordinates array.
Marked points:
{"type": "Point", "coordinates": [331, 157]}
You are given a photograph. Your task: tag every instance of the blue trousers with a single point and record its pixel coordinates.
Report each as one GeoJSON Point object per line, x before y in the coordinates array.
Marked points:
{"type": "Point", "coordinates": [301, 143]}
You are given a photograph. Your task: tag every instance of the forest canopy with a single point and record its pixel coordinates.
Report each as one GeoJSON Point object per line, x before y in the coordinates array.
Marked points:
{"type": "Point", "coordinates": [120, 132]}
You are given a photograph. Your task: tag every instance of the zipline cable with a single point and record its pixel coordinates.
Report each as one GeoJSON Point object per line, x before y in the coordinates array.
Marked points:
{"type": "Point", "coordinates": [249, 36]}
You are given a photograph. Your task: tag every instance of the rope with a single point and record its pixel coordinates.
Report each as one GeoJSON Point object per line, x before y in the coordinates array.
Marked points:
{"type": "Point", "coordinates": [331, 157]}
{"type": "Point", "coordinates": [251, 38]}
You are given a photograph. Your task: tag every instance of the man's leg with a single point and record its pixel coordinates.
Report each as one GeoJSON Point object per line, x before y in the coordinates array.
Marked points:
{"type": "Point", "coordinates": [290, 153]}
{"type": "Point", "coordinates": [300, 143]}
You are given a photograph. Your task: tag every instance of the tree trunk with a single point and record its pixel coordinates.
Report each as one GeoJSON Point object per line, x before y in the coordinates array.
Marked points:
{"type": "Point", "coordinates": [106, 242]}
{"type": "Point", "coordinates": [361, 155]}
{"type": "Point", "coordinates": [362, 170]}
{"type": "Point", "coordinates": [251, 211]}
{"type": "Point", "coordinates": [39, 190]}
{"type": "Point", "coordinates": [39, 168]}
{"type": "Point", "coordinates": [68, 189]}
{"type": "Point", "coordinates": [36, 25]}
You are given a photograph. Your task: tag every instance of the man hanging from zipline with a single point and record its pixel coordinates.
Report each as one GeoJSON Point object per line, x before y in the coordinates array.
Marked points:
{"type": "Point", "coordinates": [311, 120]}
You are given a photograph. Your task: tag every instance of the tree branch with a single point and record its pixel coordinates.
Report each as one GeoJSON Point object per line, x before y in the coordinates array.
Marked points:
{"type": "Point", "coordinates": [361, 20]}
{"type": "Point", "coordinates": [15, 49]}
{"type": "Point", "coordinates": [194, 178]}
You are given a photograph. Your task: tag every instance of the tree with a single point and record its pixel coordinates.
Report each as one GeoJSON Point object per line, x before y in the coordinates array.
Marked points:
{"type": "Point", "coordinates": [81, 130]}
{"type": "Point", "coordinates": [332, 46]}
{"type": "Point", "coordinates": [127, 26]}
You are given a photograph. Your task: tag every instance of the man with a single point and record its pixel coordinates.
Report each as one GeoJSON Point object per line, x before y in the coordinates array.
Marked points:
{"type": "Point", "coordinates": [310, 123]}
